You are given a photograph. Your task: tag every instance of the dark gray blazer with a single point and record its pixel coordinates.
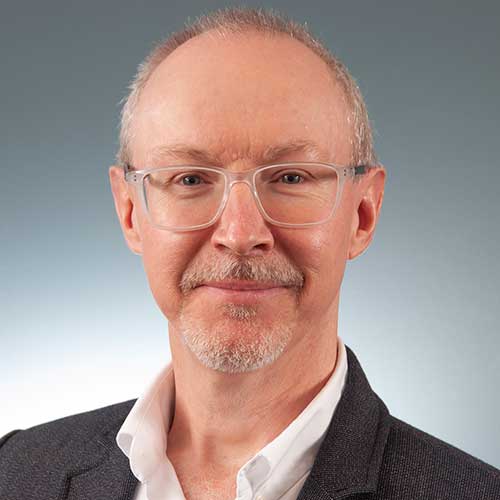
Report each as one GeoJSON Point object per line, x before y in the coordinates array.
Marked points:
{"type": "Point", "coordinates": [367, 454]}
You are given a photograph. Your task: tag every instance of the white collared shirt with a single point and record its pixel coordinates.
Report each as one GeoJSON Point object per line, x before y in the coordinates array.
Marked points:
{"type": "Point", "coordinates": [277, 471]}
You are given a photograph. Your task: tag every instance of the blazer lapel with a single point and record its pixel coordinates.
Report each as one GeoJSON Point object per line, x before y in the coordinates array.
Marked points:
{"type": "Point", "coordinates": [102, 473]}
{"type": "Point", "coordinates": [349, 459]}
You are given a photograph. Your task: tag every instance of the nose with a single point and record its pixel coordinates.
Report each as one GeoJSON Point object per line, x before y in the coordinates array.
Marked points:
{"type": "Point", "coordinates": [241, 227]}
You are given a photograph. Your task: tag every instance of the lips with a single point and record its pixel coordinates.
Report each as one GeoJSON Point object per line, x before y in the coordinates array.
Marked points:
{"type": "Point", "coordinates": [242, 292]}
{"type": "Point", "coordinates": [242, 285]}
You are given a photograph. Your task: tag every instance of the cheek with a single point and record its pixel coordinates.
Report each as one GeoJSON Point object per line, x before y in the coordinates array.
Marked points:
{"type": "Point", "coordinates": [330, 258]}
{"type": "Point", "coordinates": [324, 258]}
{"type": "Point", "coordinates": [327, 246]}
{"type": "Point", "coordinates": [164, 258]}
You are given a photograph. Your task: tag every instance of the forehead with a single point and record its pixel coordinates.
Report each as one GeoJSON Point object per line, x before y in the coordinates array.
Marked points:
{"type": "Point", "coordinates": [239, 95]}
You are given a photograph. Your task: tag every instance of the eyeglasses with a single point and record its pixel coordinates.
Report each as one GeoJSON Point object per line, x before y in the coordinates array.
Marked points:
{"type": "Point", "coordinates": [190, 197]}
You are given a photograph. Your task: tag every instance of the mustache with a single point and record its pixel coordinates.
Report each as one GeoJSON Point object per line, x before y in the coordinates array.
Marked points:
{"type": "Point", "coordinates": [259, 269]}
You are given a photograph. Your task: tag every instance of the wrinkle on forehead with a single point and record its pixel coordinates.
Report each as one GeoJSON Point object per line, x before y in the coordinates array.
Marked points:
{"type": "Point", "coordinates": [300, 149]}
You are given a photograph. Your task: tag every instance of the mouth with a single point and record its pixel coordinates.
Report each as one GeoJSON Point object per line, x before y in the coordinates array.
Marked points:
{"type": "Point", "coordinates": [242, 285]}
{"type": "Point", "coordinates": [242, 291]}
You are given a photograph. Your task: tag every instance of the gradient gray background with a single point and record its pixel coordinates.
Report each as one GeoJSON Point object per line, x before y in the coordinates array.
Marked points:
{"type": "Point", "coordinates": [79, 326]}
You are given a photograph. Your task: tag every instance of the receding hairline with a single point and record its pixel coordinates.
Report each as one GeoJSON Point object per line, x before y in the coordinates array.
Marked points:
{"type": "Point", "coordinates": [241, 21]}
{"type": "Point", "coordinates": [221, 37]}
{"type": "Point", "coordinates": [213, 34]}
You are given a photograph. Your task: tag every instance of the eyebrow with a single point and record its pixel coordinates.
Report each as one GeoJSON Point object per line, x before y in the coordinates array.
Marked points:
{"type": "Point", "coordinates": [269, 155]}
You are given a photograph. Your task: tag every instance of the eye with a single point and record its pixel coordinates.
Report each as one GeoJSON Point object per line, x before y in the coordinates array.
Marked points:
{"type": "Point", "coordinates": [192, 180]}
{"type": "Point", "coordinates": [292, 178]}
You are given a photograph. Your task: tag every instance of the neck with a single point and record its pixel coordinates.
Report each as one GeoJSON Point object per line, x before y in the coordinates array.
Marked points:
{"type": "Point", "coordinates": [223, 419]}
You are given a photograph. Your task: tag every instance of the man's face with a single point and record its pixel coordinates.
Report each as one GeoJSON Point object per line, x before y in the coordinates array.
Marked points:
{"type": "Point", "coordinates": [235, 98]}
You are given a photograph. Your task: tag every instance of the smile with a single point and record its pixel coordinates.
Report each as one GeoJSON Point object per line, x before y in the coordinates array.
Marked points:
{"type": "Point", "coordinates": [242, 295]}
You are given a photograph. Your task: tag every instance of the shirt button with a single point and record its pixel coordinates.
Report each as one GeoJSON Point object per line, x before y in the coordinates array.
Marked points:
{"type": "Point", "coordinates": [259, 497]}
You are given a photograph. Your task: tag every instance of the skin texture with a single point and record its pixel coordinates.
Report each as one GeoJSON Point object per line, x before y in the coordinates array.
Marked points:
{"type": "Point", "coordinates": [235, 97]}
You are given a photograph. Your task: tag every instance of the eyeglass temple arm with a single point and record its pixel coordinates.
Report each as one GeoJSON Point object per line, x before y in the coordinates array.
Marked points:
{"type": "Point", "coordinates": [127, 169]}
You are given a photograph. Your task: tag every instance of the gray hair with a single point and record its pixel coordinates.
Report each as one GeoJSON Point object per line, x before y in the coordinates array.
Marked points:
{"type": "Point", "coordinates": [239, 21]}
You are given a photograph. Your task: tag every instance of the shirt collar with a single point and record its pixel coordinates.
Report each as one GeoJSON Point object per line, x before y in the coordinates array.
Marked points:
{"type": "Point", "coordinates": [143, 435]}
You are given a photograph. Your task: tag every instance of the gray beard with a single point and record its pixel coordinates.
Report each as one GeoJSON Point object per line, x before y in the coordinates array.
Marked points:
{"type": "Point", "coordinates": [240, 345]}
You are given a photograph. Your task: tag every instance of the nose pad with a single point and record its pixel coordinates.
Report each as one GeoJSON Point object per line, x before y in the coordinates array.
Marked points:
{"type": "Point", "coordinates": [230, 194]}
{"type": "Point", "coordinates": [239, 228]}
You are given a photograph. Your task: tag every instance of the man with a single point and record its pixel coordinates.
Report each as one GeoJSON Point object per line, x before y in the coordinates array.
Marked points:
{"type": "Point", "coordinates": [247, 179]}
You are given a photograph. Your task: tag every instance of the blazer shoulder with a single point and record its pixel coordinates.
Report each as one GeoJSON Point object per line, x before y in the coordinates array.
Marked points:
{"type": "Point", "coordinates": [35, 461]}
{"type": "Point", "coordinates": [418, 465]}
{"type": "Point", "coordinates": [79, 426]}
{"type": "Point", "coordinates": [53, 438]}
{"type": "Point", "coordinates": [7, 436]}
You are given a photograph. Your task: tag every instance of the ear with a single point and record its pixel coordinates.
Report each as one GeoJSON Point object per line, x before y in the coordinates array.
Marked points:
{"type": "Point", "coordinates": [126, 209]}
{"type": "Point", "coordinates": [368, 205]}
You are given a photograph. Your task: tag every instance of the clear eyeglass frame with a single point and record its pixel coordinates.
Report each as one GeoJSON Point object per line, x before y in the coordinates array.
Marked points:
{"type": "Point", "coordinates": [136, 178]}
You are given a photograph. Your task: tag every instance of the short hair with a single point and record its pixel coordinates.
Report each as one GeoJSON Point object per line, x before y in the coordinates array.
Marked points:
{"type": "Point", "coordinates": [240, 20]}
